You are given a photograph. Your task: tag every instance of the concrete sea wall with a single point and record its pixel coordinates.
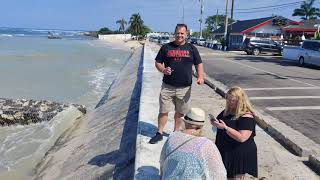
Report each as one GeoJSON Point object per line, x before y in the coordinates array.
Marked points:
{"type": "Point", "coordinates": [102, 145]}
{"type": "Point", "coordinates": [113, 37]}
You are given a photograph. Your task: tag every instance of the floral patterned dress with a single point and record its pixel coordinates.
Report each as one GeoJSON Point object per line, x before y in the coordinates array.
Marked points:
{"type": "Point", "coordinates": [199, 158]}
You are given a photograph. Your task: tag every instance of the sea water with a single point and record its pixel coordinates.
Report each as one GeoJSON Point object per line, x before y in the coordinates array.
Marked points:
{"type": "Point", "coordinates": [74, 69]}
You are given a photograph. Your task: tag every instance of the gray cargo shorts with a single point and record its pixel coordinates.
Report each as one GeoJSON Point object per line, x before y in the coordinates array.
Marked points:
{"type": "Point", "coordinates": [177, 97]}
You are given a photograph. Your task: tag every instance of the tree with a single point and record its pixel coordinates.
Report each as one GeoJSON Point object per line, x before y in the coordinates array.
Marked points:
{"type": "Point", "coordinates": [317, 35]}
{"type": "Point", "coordinates": [306, 11]}
{"type": "Point", "coordinates": [145, 30]}
{"type": "Point", "coordinates": [136, 24]}
{"type": "Point", "coordinates": [122, 24]}
{"type": "Point", "coordinates": [216, 21]}
{"type": "Point", "coordinates": [105, 30]}
{"type": "Point", "coordinates": [137, 28]}
{"type": "Point", "coordinates": [206, 33]}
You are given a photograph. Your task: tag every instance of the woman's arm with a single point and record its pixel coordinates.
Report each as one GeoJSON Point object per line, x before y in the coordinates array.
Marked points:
{"type": "Point", "coordinates": [240, 136]}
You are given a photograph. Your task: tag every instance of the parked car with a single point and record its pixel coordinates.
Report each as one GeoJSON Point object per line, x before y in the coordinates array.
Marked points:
{"type": "Point", "coordinates": [153, 38]}
{"type": "Point", "coordinates": [192, 40]}
{"type": "Point", "coordinates": [211, 43]}
{"type": "Point", "coordinates": [256, 47]}
{"type": "Point", "coordinates": [310, 52]}
{"type": "Point", "coordinates": [201, 41]}
{"type": "Point", "coordinates": [164, 40]}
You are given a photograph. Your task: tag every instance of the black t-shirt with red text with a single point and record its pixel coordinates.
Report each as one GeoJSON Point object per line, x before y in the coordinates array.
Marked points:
{"type": "Point", "coordinates": [180, 59]}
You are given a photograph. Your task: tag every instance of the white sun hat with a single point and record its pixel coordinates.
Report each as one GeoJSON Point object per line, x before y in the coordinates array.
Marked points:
{"type": "Point", "coordinates": [195, 116]}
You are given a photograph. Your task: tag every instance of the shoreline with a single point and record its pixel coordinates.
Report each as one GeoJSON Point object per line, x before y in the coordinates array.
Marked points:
{"type": "Point", "coordinates": [73, 129]}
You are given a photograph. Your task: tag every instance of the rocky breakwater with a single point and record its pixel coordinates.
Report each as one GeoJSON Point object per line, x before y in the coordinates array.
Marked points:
{"type": "Point", "coordinates": [25, 112]}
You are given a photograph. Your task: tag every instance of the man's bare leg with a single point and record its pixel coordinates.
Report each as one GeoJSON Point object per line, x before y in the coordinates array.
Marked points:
{"type": "Point", "coordinates": [177, 121]}
{"type": "Point", "coordinates": [162, 121]}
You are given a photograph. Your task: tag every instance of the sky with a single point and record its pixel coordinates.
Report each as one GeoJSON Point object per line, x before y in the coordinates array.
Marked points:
{"type": "Point", "coordinates": [159, 15]}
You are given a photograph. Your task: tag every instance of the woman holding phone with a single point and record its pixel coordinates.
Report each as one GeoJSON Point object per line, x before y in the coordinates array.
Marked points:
{"type": "Point", "coordinates": [235, 135]}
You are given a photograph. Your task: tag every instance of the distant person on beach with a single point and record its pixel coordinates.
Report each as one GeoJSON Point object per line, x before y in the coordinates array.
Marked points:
{"type": "Point", "coordinates": [235, 135]}
{"type": "Point", "coordinates": [175, 61]}
{"type": "Point", "coordinates": [188, 155]}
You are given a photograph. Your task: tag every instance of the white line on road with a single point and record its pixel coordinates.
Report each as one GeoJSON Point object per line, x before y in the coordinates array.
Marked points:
{"type": "Point", "coordinates": [280, 88]}
{"type": "Point", "coordinates": [273, 73]}
{"type": "Point", "coordinates": [292, 108]}
{"type": "Point", "coordinates": [285, 97]}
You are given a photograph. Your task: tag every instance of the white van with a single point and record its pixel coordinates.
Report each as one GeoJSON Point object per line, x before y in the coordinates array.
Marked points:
{"type": "Point", "coordinates": [201, 41]}
{"type": "Point", "coordinates": [310, 52]}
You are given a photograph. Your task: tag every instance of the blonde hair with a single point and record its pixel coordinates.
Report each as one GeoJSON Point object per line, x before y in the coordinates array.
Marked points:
{"type": "Point", "coordinates": [198, 129]}
{"type": "Point", "coordinates": [243, 105]}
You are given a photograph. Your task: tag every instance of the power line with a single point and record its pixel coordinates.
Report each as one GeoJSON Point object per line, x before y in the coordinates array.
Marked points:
{"type": "Point", "coordinates": [263, 10]}
{"type": "Point", "coordinates": [267, 8]}
{"type": "Point", "coordinates": [279, 5]}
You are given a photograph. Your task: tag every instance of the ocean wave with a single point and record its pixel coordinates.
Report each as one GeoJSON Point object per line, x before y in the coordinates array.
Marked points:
{"type": "Point", "coordinates": [22, 148]}
{"type": "Point", "coordinates": [6, 35]}
{"type": "Point", "coordinates": [19, 35]}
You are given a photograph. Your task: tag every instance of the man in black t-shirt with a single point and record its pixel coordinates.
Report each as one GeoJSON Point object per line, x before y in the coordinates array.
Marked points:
{"type": "Point", "coordinates": [175, 61]}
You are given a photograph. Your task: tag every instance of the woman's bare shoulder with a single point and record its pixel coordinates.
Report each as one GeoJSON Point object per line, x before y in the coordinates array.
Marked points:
{"type": "Point", "coordinates": [248, 115]}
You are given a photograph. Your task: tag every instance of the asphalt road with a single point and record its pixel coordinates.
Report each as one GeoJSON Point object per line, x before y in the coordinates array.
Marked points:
{"type": "Point", "coordinates": [280, 88]}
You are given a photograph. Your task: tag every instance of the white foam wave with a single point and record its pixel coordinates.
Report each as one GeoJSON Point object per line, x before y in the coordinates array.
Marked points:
{"type": "Point", "coordinates": [6, 35]}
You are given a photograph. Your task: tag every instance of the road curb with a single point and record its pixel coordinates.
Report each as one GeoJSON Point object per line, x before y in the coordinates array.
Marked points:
{"type": "Point", "coordinates": [292, 139]}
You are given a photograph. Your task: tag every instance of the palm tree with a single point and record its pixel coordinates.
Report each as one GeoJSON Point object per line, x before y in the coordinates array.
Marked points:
{"type": "Point", "coordinates": [136, 24]}
{"type": "Point", "coordinates": [216, 21]}
{"type": "Point", "coordinates": [122, 24]}
{"type": "Point", "coordinates": [307, 11]}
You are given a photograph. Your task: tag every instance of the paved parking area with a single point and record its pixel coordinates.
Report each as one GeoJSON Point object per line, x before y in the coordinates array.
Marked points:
{"type": "Point", "coordinates": [282, 89]}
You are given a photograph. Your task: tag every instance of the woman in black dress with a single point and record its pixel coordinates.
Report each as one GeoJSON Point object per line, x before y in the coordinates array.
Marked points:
{"type": "Point", "coordinates": [235, 135]}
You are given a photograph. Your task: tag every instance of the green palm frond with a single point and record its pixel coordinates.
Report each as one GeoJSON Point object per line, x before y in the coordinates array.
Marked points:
{"type": "Point", "coordinates": [306, 11]}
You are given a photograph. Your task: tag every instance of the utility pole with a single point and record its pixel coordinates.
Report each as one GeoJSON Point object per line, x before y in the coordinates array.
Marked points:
{"type": "Point", "coordinates": [226, 26]}
{"type": "Point", "coordinates": [201, 12]}
{"type": "Point", "coordinates": [229, 38]}
{"type": "Point", "coordinates": [217, 19]}
{"type": "Point", "coordinates": [182, 12]}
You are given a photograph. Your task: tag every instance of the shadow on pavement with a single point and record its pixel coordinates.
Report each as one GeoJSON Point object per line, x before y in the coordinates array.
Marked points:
{"type": "Point", "coordinates": [147, 173]}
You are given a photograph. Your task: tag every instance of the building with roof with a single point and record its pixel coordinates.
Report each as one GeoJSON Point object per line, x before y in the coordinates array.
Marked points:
{"type": "Point", "coordinates": [306, 28]}
{"type": "Point", "coordinates": [260, 28]}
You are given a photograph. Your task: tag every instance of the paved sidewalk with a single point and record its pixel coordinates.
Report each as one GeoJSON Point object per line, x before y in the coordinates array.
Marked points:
{"type": "Point", "coordinates": [275, 162]}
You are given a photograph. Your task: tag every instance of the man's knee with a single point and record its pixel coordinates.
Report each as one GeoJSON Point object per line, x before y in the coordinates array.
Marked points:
{"type": "Point", "coordinates": [162, 114]}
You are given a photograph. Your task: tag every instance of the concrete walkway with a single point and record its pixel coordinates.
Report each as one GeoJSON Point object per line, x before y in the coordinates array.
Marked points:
{"type": "Point", "coordinates": [275, 162]}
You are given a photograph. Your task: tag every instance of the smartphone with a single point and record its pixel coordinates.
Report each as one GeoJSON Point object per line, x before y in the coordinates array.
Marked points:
{"type": "Point", "coordinates": [212, 118]}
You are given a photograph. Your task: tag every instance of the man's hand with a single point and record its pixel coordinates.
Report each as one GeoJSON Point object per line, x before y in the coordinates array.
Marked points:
{"type": "Point", "coordinates": [200, 73]}
{"type": "Point", "coordinates": [200, 81]}
{"type": "Point", "coordinates": [167, 71]}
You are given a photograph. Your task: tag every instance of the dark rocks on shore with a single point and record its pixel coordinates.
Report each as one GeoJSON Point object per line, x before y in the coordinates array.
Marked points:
{"type": "Point", "coordinates": [25, 112]}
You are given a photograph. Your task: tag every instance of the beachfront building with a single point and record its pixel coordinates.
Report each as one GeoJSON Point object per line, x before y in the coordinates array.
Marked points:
{"type": "Point", "coordinates": [269, 27]}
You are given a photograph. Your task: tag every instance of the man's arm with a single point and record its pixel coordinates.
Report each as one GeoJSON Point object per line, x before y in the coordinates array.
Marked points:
{"type": "Point", "coordinates": [161, 68]}
{"type": "Point", "coordinates": [200, 71]}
